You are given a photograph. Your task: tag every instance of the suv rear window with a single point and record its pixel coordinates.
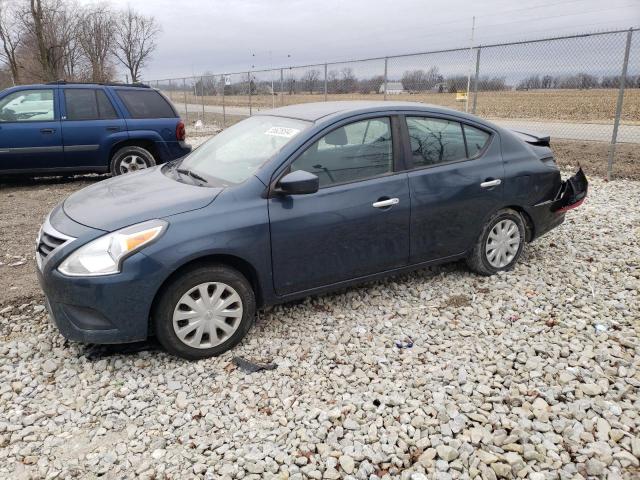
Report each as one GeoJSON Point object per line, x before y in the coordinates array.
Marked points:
{"type": "Point", "coordinates": [146, 104]}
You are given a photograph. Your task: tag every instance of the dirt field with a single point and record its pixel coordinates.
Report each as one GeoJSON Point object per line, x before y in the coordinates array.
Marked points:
{"type": "Point", "coordinates": [596, 105]}
{"type": "Point", "coordinates": [24, 204]}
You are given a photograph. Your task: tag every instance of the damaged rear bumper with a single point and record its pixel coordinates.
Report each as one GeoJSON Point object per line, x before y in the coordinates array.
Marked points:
{"type": "Point", "coordinates": [572, 193]}
{"type": "Point", "coordinates": [549, 214]}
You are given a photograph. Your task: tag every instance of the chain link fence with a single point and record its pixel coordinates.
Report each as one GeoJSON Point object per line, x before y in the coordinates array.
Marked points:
{"type": "Point", "coordinates": [577, 88]}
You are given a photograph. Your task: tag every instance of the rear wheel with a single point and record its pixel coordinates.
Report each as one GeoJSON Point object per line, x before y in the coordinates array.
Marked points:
{"type": "Point", "coordinates": [204, 312]}
{"type": "Point", "coordinates": [499, 245]}
{"type": "Point", "coordinates": [130, 159]}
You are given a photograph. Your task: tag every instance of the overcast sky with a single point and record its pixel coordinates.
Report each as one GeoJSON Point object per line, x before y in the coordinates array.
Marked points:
{"type": "Point", "coordinates": [232, 35]}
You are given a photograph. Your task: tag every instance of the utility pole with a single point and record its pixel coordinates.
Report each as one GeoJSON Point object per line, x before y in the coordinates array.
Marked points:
{"type": "Point", "coordinates": [473, 29]}
{"type": "Point", "coordinates": [273, 92]}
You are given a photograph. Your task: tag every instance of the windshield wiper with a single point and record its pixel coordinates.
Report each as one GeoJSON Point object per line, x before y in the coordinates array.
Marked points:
{"type": "Point", "coordinates": [192, 174]}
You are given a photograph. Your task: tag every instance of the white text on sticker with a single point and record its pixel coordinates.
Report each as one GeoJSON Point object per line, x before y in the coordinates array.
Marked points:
{"type": "Point", "coordinates": [282, 132]}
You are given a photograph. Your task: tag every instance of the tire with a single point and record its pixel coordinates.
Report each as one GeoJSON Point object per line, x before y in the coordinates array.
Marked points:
{"type": "Point", "coordinates": [508, 243]}
{"type": "Point", "coordinates": [179, 308]}
{"type": "Point", "coordinates": [129, 159]}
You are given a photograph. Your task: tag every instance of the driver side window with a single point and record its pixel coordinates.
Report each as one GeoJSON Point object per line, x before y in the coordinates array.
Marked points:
{"type": "Point", "coordinates": [27, 106]}
{"type": "Point", "coordinates": [349, 153]}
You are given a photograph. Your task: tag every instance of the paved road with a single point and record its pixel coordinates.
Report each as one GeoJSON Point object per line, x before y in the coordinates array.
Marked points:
{"type": "Point", "coordinates": [573, 131]}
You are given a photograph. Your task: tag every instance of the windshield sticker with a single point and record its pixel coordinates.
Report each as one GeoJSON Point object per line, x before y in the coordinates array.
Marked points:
{"type": "Point", "coordinates": [282, 132]}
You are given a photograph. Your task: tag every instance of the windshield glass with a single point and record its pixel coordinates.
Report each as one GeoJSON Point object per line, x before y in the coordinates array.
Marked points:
{"type": "Point", "coordinates": [236, 153]}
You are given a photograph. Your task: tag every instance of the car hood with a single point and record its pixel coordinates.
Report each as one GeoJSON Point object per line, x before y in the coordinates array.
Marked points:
{"type": "Point", "coordinates": [135, 197]}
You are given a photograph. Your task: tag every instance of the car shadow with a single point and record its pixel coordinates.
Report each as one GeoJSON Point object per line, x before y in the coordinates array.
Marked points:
{"type": "Point", "coordinates": [94, 353]}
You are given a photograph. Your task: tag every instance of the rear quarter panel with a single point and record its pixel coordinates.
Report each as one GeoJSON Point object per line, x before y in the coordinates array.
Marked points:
{"type": "Point", "coordinates": [530, 184]}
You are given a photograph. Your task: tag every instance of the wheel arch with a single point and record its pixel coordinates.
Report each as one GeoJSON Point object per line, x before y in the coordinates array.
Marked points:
{"type": "Point", "coordinates": [529, 225]}
{"type": "Point", "coordinates": [233, 261]}
{"type": "Point", "coordinates": [149, 145]}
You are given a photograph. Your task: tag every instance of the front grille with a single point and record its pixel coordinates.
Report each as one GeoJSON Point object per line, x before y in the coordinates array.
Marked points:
{"type": "Point", "coordinates": [49, 240]}
{"type": "Point", "coordinates": [48, 243]}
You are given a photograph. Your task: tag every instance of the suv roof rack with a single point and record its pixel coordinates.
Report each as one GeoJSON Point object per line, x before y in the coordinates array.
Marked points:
{"type": "Point", "coordinates": [108, 84]}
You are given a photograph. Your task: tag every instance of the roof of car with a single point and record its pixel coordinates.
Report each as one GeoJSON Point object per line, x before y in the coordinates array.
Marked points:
{"type": "Point", "coordinates": [317, 110]}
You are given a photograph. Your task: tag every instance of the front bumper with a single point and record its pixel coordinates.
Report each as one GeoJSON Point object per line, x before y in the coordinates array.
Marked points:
{"type": "Point", "coordinates": [104, 309]}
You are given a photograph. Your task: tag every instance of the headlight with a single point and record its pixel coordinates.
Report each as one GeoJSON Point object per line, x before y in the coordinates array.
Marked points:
{"type": "Point", "coordinates": [104, 255]}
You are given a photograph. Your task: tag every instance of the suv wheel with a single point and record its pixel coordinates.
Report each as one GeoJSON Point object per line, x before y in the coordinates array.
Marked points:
{"type": "Point", "coordinates": [130, 159]}
{"type": "Point", "coordinates": [499, 245]}
{"type": "Point", "coordinates": [204, 312]}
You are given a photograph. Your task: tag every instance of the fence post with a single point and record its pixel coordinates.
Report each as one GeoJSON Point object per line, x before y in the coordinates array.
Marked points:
{"type": "Point", "coordinates": [325, 82]}
{"type": "Point", "coordinates": [186, 109]}
{"type": "Point", "coordinates": [281, 87]}
{"type": "Point", "coordinates": [202, 97]}
{"type": "Point", "coordinates": [170, 90]}
{"type": "Point", "coordinates": [475, 82]}
{"type": "Point", "coordinates": [249, 80]}
{"type": "Point", "coordinates": [224, 110]}
{"type": "Point", "coordinates": [386, 64]}
{"type": "Point", "coordinates": [616, 122]}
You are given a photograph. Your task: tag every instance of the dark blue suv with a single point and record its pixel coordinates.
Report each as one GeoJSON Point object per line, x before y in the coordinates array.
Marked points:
{"type": "Point", "coordinates": [63, 128]}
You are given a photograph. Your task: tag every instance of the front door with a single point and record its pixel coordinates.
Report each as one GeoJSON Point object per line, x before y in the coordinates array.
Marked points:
{"type": "Point", "coordinates": [30, 136]}
{"type": "Point", "coordinates": [357, 224]}
{"type": "Point", "coordinates": [90, 127]}
{"type": "Point", "coordinates": [456, 181]}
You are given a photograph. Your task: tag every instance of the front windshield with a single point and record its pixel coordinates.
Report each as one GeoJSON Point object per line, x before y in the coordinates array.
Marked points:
{"type": "Point", "coordinates": [236, 153]}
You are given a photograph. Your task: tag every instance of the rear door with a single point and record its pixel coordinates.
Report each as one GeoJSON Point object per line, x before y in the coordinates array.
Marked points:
{"type": "Point", "coordinates": [456, 180]}
{"type": "Point", "coordinates": [91, 126]}
{"type": "Point", "coordinates": [30, 136]}
{"type": "Point", "coordinates": [357, 223]}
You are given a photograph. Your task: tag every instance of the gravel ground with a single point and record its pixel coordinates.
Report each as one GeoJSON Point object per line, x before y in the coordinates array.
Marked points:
{"type": "Point", "coordinates": [533, 374]}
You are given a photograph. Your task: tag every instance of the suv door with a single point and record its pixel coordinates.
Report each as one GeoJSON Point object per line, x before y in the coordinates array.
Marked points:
{"type": "Point", "coordinates": [357, 223]}
{"type": "Point", "coordinates": [90, 127]}
{"type": "Point", "coordinates": [455, 182]}
{"type": "Point", "coordinates": [30, 137]}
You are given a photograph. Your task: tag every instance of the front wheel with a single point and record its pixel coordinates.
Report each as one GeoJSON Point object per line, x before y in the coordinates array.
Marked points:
{"type": "Point", "coordinates": [204, 312]}
{"type": "Point", "coordinates": [499, 245]}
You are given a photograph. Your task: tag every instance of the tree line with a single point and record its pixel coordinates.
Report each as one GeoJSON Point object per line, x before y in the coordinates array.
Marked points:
{"type": "Point", "coordinates": [50, 40]}
{"type": "Point", "coordinates": [577, 81]}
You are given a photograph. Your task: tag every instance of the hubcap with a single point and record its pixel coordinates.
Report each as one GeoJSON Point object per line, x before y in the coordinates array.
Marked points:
{"type": "Point", "coordinates": [503, 243]}
{"type": "Point", "coordinates": [207, 315]}
{"type": "Point", "coordinates": [131, 163]}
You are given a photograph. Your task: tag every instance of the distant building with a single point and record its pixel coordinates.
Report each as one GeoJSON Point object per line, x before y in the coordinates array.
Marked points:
{"type": "Point", "coordinates": [393, 88]}
{"type": "Point", "coordinates": [440, 87]}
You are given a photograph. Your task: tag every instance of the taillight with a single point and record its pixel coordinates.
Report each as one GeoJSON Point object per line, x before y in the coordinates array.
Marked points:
{"type": "Point", "coordinates": [181, 132]}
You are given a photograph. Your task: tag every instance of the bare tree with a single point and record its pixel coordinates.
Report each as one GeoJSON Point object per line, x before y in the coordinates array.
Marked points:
{"type": "Point", "coordinates": [310, 80]}
{"type": "Point", "coordinates": [37, 24]}
{"type": "Point", "coordinates": [50, 26]}
{"type": "Point", "coordinates": [135, 41]}
{"type": "Point", "coordinates": [96, 29]}
{"type": "Point", "coordinates": [11, 36]}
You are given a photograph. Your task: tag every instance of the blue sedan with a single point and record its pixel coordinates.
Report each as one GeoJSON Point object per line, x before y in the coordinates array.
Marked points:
{"type": "Point", "coordinates": [291, 202]}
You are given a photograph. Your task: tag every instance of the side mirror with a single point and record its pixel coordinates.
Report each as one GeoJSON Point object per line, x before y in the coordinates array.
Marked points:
{"type": "Point", "coordinates": [299, 183]}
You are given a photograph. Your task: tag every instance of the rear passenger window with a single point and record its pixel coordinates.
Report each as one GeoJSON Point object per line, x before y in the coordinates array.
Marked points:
{"type": "Point", "coordinates": [81, 104]}
{"type": "Point", "coordinates": [88, 104]}
{"type": "Point", "coordinates": [146, 104]}
{"type": "Point", "coordinates": [435, 140]}
{"type": "Point", "coordinates": [105, 109]}
{"type": "Point", "coordinates": [476, 140]}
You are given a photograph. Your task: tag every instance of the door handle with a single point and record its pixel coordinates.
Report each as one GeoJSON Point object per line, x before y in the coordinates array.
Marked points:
{"type": "Point", "coordinates": [491, 183]}
{"type": "Point", "coordinates": [113, 129]}
{"type": "Point", "coordinates": [386, 203]}
{"type": "Point", "coordinates": [47, 130]}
